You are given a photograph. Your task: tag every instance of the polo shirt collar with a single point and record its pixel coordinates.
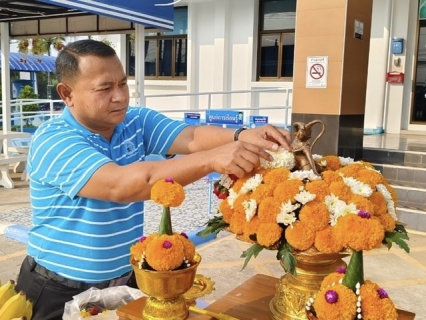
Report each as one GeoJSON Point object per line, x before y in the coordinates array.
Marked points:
{"type": "Point", "coordinates": [69, 118]}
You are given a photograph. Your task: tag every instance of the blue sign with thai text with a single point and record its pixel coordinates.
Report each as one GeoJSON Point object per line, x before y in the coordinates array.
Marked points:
{"type": "Point", "coordinates": [225, 117]}
{"type": "Point", "coordinates": [192, 118]}
{"type": "Point", "coordinates": [258, 121]}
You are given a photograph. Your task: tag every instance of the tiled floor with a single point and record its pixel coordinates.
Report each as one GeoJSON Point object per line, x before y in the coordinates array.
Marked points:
{"type": "Point", "coordinates": [403, 142]}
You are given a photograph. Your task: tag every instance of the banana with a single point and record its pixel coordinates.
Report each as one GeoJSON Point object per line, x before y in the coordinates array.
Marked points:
{"type": "Point", "coordinates": [14, 307]}
{"type": "Point", "coordinates": [7, 291]}
{"type": "Point", "coordinates": [28, 310]}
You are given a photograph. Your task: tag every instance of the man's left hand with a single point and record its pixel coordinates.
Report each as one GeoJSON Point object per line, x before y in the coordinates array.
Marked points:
{"type": "Point", "coordinates": [268, 137]}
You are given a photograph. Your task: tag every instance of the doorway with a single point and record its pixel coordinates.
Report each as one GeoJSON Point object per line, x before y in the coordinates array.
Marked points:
{"type": "Point", "coordinates": [419, 104]}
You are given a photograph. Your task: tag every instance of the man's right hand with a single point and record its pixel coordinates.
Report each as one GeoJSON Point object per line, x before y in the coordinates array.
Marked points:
{"type": "Point", "coordinates": [238, 158]}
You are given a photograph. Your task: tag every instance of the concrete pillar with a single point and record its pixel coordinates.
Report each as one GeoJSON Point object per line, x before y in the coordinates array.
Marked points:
{"type": "Point", "coordinates": [330, 72]}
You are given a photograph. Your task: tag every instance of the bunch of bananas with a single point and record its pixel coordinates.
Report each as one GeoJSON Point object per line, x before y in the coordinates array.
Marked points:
{"type": "Point", "coordinates": [13, 305]}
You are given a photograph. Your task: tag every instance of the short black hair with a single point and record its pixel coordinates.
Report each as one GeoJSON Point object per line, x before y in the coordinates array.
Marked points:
{"type": "Point", "coordinates": [68, 58]}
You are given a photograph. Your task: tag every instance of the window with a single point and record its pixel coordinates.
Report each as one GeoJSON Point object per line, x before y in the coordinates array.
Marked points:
{"type": "Point", "coordinates": [165, 52]}
{"type": "Point", "coordinates": [277, 24]}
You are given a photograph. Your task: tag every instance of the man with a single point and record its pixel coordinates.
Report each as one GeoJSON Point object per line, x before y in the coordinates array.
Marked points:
{"type": "Point", "coordinates": [88, 177]}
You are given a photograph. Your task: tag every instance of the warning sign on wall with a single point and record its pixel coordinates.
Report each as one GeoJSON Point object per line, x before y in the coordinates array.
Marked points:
{"type": "Point", "coordinates": [316, 72]}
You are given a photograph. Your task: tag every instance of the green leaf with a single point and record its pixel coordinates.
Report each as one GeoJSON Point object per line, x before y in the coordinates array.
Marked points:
{"type": "Point", "coordinates": [253, 251]}
{"type": "Point", "coordinates": [165, 226]}
{"type": "Point", "coordinates": [214, 225]}
{"type": "Point", "coordinates": [399, 238]}
{"type": "Point", "coordinates": [285, 254]}
{"type": "Point", "coordinates": [354, 271]}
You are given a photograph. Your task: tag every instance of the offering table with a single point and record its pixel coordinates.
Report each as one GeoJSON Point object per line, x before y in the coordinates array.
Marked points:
{"type": "Point", "coordinates": [249, 301]}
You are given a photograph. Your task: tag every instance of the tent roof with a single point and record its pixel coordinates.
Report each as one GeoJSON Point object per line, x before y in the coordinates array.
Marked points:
{"type": "Point", "coordinates": [150, 13]}
{"type": "Point", "coordinates": [22, 62]}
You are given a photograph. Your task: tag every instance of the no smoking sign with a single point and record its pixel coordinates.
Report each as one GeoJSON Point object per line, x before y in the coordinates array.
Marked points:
{"type": "Point", "coordinates": [316, 72]}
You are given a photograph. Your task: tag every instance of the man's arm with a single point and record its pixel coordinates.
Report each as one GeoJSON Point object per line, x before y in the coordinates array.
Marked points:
{"type": "Point", "coordinates": [195, 139]}
{"type": "Point", "coordinates": [133, 182]}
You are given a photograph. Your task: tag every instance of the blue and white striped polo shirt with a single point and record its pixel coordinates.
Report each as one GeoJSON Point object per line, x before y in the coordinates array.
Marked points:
{"type": "Point", "coordinates": [79, 238]}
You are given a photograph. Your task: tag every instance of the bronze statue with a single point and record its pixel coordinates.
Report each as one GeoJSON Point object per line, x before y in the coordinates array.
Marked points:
{"type": "Point", "coordinates": [301, 147]}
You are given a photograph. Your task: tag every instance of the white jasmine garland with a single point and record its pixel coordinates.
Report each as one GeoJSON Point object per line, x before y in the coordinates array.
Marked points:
{"type": "Point", "coordinates": [225, 181]}
{"type": "Point", "coordinates": [345, 161]}
{"type": "Point", "coordinates": [316, 157]}
{"type": "Point", "coordinates": [391, 209]}
{"type": "Point", "coordinates": [250, 208]}
{"type": "Point", "coordinates": [287, 207]}
{"type": "Point", "coordinates": [252, 183]}
{"type": "Point", "coordinates": [282, 159]}
{"type": "Point", "coordinates": [384, 191]}
{"type": "Point", "coordinates": [304, 197]}
{"type": "Point", "coordinates": [303, 175]}
{"type": "Point", "coordinates": [287, 215]}
{"type": "Point", "coordinates": [358, 187]}
{"type": "Point", "coordinates": [231, 198]}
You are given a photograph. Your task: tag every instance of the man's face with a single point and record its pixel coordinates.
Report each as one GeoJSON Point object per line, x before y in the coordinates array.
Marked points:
{"type": "Point", "coordinates": [99, 97]}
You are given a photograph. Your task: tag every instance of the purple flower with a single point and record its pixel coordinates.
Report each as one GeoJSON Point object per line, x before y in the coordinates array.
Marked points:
{"type": "Point", "coordinates": [143, 238]}
{"type": "Point", "coordinates": [169, 180]}
{"type": "Point", "coordinates": [167, 244]}
{"type": "Point", "coordinates": [341, 270]}
{"type": "Point", "coordinates": [364, 214]}
{"type": "Point", "coordinates": [382, 293]}
{"type": "Point", "coordinates": [183, 234]}
{"type": "Point", "coordinates": [331, 296]}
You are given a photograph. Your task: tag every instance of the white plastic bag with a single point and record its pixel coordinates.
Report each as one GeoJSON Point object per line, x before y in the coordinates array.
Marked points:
{"type": "Point", "coordinates": [110, 298]}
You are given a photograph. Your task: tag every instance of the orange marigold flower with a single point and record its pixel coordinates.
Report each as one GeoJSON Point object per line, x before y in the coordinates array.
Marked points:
{"type": "Point", "coordinates": [315, 214]}
{"type": "Point", "coordinates": [286, 190]}
{"type": "Point", "coordinates": [379, 202]}
{"type": "Point", "coordinates": [351, 169]}
{"type": "Point", "coordinates": [188, 247]}
{"type": "Point", "coordinates": [319, 188]}
{"type": "Point", "coordinates": [387, 222]}
{"type": "Point", "coordinates": [326, 241]}
{"type": "Point", "coordinates": [237, 222]}
{"type": "Point", "coordinates": [138, 248]}
{"type": "Point", "coordinates": [275, 176]}
{"type": "Point", "coordinates": [301, 236]}
{"type": "Point", "coordinates": [268, 210]}
{"type": "Point", "coordinates": [238, 203]}
{"type": "Point", "coordinates": [268, 234]}
{"type": "Point", "coordinates": [331, 279]}
{"type": "Point", "coordinates": [370, 177]}
{"type": "Point", "coordinates": [168, 193]}
{"type": "Point", "coordinates": [331, 176]}
{"type": "Point", "coordinates": [374, 307]}
{"type": "Point", "coordinates": [343, 309]}
{"type": "Point", "coordinates": [250, 228]}
{"type": "Point", "coordinates": [362, 203]}
{"type": "Point", "coordinates": [341, 190]}
{"type": "Point", "coordinates": [261, 171]}
{"type": "Point", "coordinates": [333, 162]}
{"type": "Point", "coordinates": [261, 192]}
{"type": "Point", "coordinates": [226, 210]}
{"type": "Point", "coordinates": [162, 257]}
{"type": "Point", "coordinates": [358, 233]}
{"type": "Point", "coordinates": [239, 184]}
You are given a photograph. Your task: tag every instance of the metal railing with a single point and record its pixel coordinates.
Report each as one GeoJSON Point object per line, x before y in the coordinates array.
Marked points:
{"type": "Point", "coordinates": [50, 107]}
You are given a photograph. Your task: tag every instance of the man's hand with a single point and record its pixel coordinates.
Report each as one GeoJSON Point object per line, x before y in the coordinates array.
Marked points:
{"type": "Point", "coordinates": [238, 158]}
{"type": "Point", "coordinates": [267, 137]}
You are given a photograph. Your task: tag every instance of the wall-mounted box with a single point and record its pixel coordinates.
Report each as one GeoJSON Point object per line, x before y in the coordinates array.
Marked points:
{"type": "Point", "coordinates": [397, 46]}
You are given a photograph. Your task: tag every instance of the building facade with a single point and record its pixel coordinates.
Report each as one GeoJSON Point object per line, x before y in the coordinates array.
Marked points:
{"type": "Point", "coordinates": [248, 45]}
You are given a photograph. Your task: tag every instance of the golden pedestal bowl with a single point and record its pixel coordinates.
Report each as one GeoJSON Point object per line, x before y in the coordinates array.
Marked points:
{"type": "Point", "coordinates": [165, 291]}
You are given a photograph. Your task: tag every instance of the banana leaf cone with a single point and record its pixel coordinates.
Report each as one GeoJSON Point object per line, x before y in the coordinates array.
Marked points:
{"type": "Point", "coordinates": [355, 271]}
{"type": "Point", "coordinates": [165, 223]}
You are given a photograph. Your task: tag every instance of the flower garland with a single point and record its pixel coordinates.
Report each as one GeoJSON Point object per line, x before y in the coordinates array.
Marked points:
{"type": "Point", "coordinates": [348, 207]}
{"type": "Point", "coordinates": [165, 250]}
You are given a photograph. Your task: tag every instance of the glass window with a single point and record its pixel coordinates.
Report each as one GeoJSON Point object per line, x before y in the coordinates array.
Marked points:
{"type": "Point", "coordinates": [276, 38]}
{"type": "Point", "coordinates": [165, 52]}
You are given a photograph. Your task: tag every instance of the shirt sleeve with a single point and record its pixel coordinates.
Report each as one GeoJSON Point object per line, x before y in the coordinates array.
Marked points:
{"type": "Point", "coordinates": [63, 159]}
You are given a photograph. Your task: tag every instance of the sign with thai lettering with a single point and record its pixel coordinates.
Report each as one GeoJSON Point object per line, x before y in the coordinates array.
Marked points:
{"type": "Point", "coordinates": [225, 117]}
{"type": "Point", "coordinates": [192, 118]}
{"type": "Point", "coordinates": [258, 121]}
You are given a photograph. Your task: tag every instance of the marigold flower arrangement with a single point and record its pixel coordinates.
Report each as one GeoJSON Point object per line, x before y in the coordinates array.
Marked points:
{"type": "Point", "coordinates": [164, 250]}
{"type": "Point", "coordinates": [341, 206]}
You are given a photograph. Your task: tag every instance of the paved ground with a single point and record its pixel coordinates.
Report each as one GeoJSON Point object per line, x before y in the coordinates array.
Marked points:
{"type": "Point", "coordinates": [402, 275]}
